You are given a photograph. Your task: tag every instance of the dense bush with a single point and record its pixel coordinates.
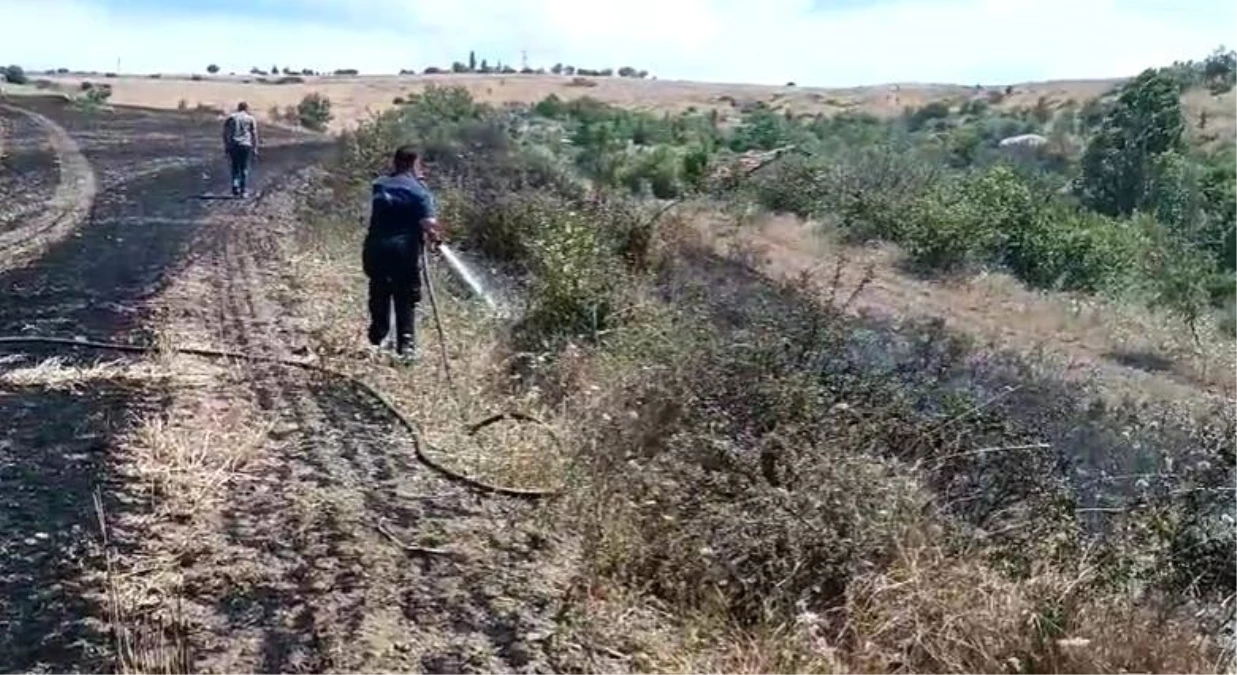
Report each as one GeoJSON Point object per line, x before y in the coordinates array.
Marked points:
{"type": "Point", "coordinates": [15, 75]}
{"type": "Point", "coordinates": [314, 111]}
{"type": "Point", "coordinates": [1070, 249]}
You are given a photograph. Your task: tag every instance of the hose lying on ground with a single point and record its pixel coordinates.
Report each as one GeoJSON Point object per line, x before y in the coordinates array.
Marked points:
{"type": "Point", "coordinates": [418, 440]}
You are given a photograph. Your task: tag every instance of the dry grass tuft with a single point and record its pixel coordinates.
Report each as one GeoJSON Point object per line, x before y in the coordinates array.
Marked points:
{"type": "Point", "coordinates": [57, 374]}
{"type": "Point", "coordinates": [143, 643]}
{"type": "Point", "coordinates": [933, 612]}
{"type": "Point", "coordinates": [186, 462]}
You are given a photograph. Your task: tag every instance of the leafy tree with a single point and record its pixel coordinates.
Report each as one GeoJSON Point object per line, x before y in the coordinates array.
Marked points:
{"type": "Point", "coordinates": [551, 106]}
{"type": "Point", "coordinates": [212, 69]}
{"type": "Point", "coordinates": [472, 61]}
{"type": "Point", "coordinates": [458, 67]}
{"type": "Point", "coordinates": [1145, 122]}
{"type": "Point", "coordinates": [444, 104]}
{"type": "Point", "coordinates": [314, 111]}
{"type": "Point", "coordinates": [15, 75]}
{"type": "Point", "coordinates": [1220, 70]}
{"type": "Point", "coordinates": [695, 166]}
{"type": "Point", "coordinates": [964, 145]}
{"type": "Point", "coordinates": [764, 129]}
{"type": "Point", "coordinates": [557, 69]}
{"type": "Point", "coordinates": [1180, 275]}
{"type": "Point", "coordinates": [917, 119]}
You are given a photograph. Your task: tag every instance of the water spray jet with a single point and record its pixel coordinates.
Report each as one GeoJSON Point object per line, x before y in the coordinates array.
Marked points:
{"type": "Point", "coordinates": [462, 272]}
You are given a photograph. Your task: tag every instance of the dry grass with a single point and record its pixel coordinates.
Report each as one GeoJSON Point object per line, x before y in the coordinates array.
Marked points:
{"type": "Point", "coordinates": [178, 466]}
{"type": "Point", "coordinates": [186, 459]}
{"type": "Point", "coordinates": [56, 374]}
{"type": "Point", "coordinates": [182, 464]}
{"type": "Point", "coordinates": [142, 644]}
{"type": "Point", "coordinates": [354, 98]}
{"type": "Point", "coordinates": [1211, 119]}
{"type": "Point", "coordinates": [933, 612]}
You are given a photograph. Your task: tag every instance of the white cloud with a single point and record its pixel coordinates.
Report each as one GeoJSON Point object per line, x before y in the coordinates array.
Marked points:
{"type": "Point", "coordinates": [772, 41]}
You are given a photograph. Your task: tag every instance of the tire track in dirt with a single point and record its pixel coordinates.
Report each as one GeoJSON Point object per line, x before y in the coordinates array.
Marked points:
{"type": "Point", "coordinates": [29, 168]}
{"type": "Point", "coordinates": [311, 583]}
{"type": "Point", "coordinates": [65, 210]}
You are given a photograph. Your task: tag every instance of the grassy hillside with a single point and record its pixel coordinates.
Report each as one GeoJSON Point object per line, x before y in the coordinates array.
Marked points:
{"type": "Point", "coordinates": [761, 480]}
{"type": "Point", "coordinates": [354, 98]}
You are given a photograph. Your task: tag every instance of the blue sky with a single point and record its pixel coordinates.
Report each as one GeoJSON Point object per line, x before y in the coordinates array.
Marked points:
{"type": "Point", "coordinates": [819, 42]}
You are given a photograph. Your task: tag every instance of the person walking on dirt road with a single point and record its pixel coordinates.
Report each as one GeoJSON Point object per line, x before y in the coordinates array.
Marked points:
{"type": "Point", "coordinates": [402, 219]}
{"type": "Point", "coordinates": [240, 142]}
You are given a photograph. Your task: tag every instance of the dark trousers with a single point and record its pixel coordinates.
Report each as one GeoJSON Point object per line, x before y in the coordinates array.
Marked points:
{"type": "Point", "coordinates": [394, 271]}
{"type": "Point", "coordinates": [239, 157]}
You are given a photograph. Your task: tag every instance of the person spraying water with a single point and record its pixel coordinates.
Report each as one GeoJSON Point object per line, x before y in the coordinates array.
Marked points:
{"type": "Point", "coordinates": [403, 218]}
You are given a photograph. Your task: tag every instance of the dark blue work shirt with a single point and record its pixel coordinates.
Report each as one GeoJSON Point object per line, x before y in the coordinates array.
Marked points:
{"type": "Point", "coordinates": [399, 204]}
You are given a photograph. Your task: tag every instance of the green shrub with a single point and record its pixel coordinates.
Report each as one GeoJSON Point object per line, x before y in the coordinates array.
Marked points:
{"type": "Point", "coordinates": [918, 118]}
{"type": "Point", "coordinates": [99, 94]}
{"type": "Point", "coordinates": [15, 75]}
{"type": "Point", "coordinates": [696, 166]}
{"type": "Point", "coordinates": [966, 222]}
{"type": "Point", "coordinates": [659, 170]}
{"type": "Point", "coordinates": [793, 185]}
{"type": "Point", "coordinates": [1071, 249]}
{"type": "Point", "coordinates": [574, 278]}
{"type": "Point", "coordinates": [551, 107]}
{"type": "Point", "coordinates": [314, 111]}
{"type": "Point", "coordinates": [945, 231]}
{"type": "Point", "coordinates": [1181, 277]}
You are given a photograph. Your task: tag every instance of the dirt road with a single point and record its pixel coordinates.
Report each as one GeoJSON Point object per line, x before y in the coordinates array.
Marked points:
{"type": "Point", "coordinates": [252, 514]}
